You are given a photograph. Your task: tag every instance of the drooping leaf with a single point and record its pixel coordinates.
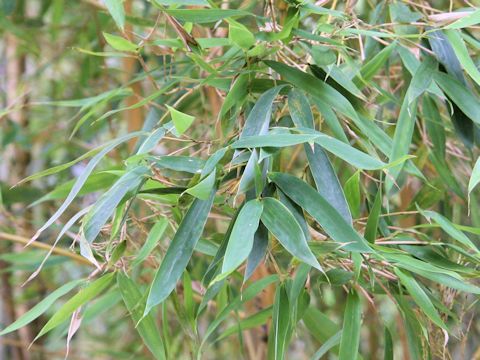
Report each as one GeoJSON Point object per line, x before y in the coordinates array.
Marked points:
{"type": "Point", "coordinates": [241, 240]}
{"type": "Point", "coordinates": [350, 340]}
{"type": "Point", "coordinates": [153, 238]}
{"type": "Point", "coordinates": [146, 327]}
{"type": "Point", "coordinates": [82, 297]}
{"type": "Point", "coordinates": [115, 8]}
{"type": "Point", "coordinates": [324, 213]}
{"type": "Point", "coordinates": [179, 252]}
{"type": "Point", "coordinates": [283, 225]}
{"type": "Point", "coordinates": [420, 297]}
{"type": "Point", "coordinates": [41, 307]}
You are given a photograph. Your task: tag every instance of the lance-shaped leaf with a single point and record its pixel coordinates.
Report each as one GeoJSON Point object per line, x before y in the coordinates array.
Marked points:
{"type": "Point", "coordinates": [473, 18]}
{"type": "Point", "coordinates": [350, 340]}
{"type": "Point", "coordinates": [188, 164]}
{"type": "Point", "coordinates": [449, 228]}
{"type": "Point", "coordinates": [105, 206]}
{"type": "Point", "coordinates": [82, 178]}
{"type": "Point", "coordinates": [233, 305]}
{"type": "Point", "coordinates": [344, 151]}
{"type": "Point", "coordinates": [41, 307]}
{"type": "Point", "coordinates": [401, 140]}
{"type": "Point", "coordinates": [203, 189]}
{"type": "Point", "coordinates": [181, 120]}
{"type": "Point", "coordinates": [322, 171]}
{"type": "Point", "coordinates": [460, 95]}
{"type": "Point", "coordinates": [153, 238]}
{"type": "Point", "coordinates": [259, 250]}
{"type": "Point", "coordinates": [283, 225]}
{"type": "Point", "coordinates": [281, 327]}
{"type": "Point", "coordinates": [420, 297]}
{"type": "Point", "coordinates": [115, 8]}
{"type": "Point", "coordinates": [259, 117]}
{"type": "Point", "coordinates": [475, 177]}
{"type": "Point", "coordinates": [202, 16]}
{"type": "Point", "coordinates": [119, 43]}
{"type": "Point", "coordinates": [147, 328]}
{"type": "Point", "coordinates": [79, 299]}
{"type": "Point", "coordinates": [179, 251]}
{"type": "Point", "coordinates": [463, 56]}
{"type": "Point", "coordinates": [319, 208]}
{"type": "Point", "coordinates": [240, 243]}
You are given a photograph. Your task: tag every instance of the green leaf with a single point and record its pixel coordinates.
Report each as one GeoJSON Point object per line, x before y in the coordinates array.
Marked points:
{"type": "Point", "coordinates": [245, 296]}
{"type": "Point", "coordinates": [81, 179]}
{"type": "Point", "coordinates": [104, 208]}
{"type": "Point", "coordinates": [449, 228]}
{"type": "Point", "coordinates": [352, 193]}
{"type": "Point", "coordinates": [203, 189]}
{"type": "Point", "coordinates": [350, 340]}
{"type": "Point", "coordinates": [254, 321]}
{"type": "Point", "coordinates": [327, 345]}
{"type": "Point", "coordinates": [475, 177]}
{"type": "Point", "coordinates": [81, 298]}
{"type": "Point", "coordinates": [283, 225]}
{"type": "Point", "coordinates": [179, 251]}
{"type": "Point", "coordinates": [188, 164]}
{"type": "Point", "coordinates": [419, 296]}
{"type": "Point", "coordinates": [371, 67]}
{"type": "Point", "coordinates": [203, 16]}
{"type": "Point", "coordinates": [279, 334]}
{"type": "Point", "coordinates": [240, 35]}
{"type": "Point", "coordinates": [463, 56]}
{"type": "Point", "coordinates": [115, 8]}
{"type": "Point", "coordinates": [259, 250]}
{"type": "Point", "coordinates": [153, 238]}
{"type": "Point", "coordinates": [374, 218]}
{"type": "Point", "coordinates": [421, 80]}
{"type": "Point", "coordinates": [324, 213]}
{"type": "Point", "coordinates": [460, 95]}
{"type": "Point", "coordinates": [321, 168]}
{"type": "Point", "coordinates": [146, 326]}
{"type": "Point", "coordinates": [181, 121]}
{"type": "Point", "coordinates": [119, 43]}
{"type": "Point", "coordinates": [41, 307]}
{"type": "Point", "coordinates": [241, 240]}
{"type": "Point", "coordinates": [259, 117]}
{"type": "Point", "coordinates": [337, 147]}
{"type": "Point", "coordinates": [401, 140]}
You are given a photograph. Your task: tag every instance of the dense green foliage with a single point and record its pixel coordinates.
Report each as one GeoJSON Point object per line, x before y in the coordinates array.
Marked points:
{"type": "Point", "coordinates": [283, 179]}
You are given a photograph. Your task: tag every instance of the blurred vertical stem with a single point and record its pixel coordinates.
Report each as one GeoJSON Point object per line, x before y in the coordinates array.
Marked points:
{"type": "Point", "coordinates": [17, 160]}
{"type": "Point", "coordinates": [133, 117]}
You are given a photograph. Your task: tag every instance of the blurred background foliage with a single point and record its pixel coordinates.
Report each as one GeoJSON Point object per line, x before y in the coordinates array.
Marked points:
{"type": "Point", "coordinates": [142, 128]}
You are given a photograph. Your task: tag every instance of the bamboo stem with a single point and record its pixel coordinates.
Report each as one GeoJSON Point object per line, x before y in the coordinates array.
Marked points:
{"type": "Point", "coordinates": [23, 240]}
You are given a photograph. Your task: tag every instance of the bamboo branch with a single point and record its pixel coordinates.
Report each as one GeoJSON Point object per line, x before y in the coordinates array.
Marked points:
{"type": "Point", "coordinates": [23, 240]}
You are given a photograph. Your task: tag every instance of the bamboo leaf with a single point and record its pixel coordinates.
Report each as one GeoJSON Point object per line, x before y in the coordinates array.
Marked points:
{"type": "Point", "coordinates": [350, 340]}
{"type": "Point", "coordinates": [82, 297]}
{"type": "Point", "coordinates": [115, 8]}
{"type": "Point", "coordinates": [241, 240]}
{"type": "Point", "coordinates": [283, 225]}
{"type": "Point", "coordinates": [41, 307]}
{"type": "Point", "coordinates": [420, 298]}
{"type": "Point", "coordinates": [132, 297]}
{"type": "Point", "coordinates": [324, 213]}
{"type": "Point", "coordinates": [179, 252]}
